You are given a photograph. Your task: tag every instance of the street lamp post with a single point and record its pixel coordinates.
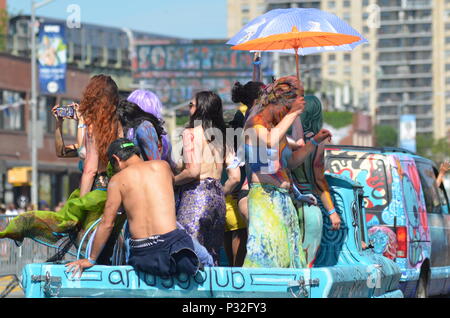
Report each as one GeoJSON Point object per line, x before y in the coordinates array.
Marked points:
{"type": "Point", "coordinates": [33, 103]}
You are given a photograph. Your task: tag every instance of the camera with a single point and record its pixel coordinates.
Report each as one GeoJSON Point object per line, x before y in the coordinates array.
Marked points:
{"type": "Point", "coordinates": [66, 112]}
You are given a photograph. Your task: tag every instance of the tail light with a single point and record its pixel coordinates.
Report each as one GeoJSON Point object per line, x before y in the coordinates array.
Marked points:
{"type": "Point", "coordinates": [402, 242]}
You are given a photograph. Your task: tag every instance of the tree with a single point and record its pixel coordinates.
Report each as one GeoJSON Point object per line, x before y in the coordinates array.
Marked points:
{"type": "Point", "coordinates": [338, 119]}
{"type": "Point", "coordinates": [424, 142]}
{"type": "Point", "coordinates": [3, 28]}
{"type": "Point", "coordinates": [436, 150]}
{"type": "Point", "coordinates": [386, 136]}
{"type": "Point", "coordinates": [440, 150]}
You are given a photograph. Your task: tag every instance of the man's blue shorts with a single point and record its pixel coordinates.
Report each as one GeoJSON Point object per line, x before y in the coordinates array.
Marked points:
{"type": "Point", "coordinates": [163, 255]}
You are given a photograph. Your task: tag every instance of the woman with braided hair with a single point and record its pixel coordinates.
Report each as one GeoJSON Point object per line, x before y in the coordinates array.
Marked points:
{"type": "Point", "coordinates": [274, 232]}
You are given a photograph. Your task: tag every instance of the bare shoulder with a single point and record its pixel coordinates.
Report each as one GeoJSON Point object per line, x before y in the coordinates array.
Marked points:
{"type": "Point", "coordinates": [115, 180]}
{"type": "Point", "coordinates": [157, 165]}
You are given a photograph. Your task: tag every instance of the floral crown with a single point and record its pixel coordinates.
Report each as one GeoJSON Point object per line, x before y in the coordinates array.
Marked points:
{"type": "Point", "coordinates": [282, 91]}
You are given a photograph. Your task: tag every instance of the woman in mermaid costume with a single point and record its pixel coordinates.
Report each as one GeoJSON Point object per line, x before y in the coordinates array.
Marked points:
{"type": "Point", "coordinates": [309, 179]}
{"type": "Point", "coordinates": [144, 129]}
{"type": "Point", "coordinates": [143, 135]}
{"type": "Point", "coordinates": [201, 198]}
{"type": "Point", "coordinates": [85, 205]}
{"type": "Point", "coordinates": [274, 233]}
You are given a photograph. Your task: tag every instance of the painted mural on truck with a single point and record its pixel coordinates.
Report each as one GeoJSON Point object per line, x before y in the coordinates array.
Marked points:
{"type": "Point", "coordinates": [367, 169]}
{"type": "Point", "coordinates": [393, 196]}
{"type": "Point", "coordinates": [414, 208]}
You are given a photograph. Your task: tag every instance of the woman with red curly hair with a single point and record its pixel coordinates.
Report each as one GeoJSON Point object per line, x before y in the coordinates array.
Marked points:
{"type": "Point", "coordinates": [85, 205]}
{"type": "Point", "coordinates": [98, 109]}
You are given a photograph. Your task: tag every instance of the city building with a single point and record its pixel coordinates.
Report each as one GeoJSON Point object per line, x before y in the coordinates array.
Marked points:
{"type": "Point", "coordinates": [411, 63]}
{"type": "Point", "coordinates": [92, 49]}
{"type": "Point", "coordinates": [404, 69]}
{"type": "Point", "coordinates": [57, 177]}
{"type": "Point", "coordinates": [240, 12]}
{"type": "Point", "coordinates": [95, 48]}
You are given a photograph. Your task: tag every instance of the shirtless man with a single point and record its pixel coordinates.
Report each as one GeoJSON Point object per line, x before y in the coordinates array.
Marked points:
{"type": "Point", "coordinates": [146, 191]}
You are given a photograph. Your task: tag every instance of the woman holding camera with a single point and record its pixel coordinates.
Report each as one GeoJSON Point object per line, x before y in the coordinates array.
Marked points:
{"type": "Point", "coordinates": [73, 150]}
{"type": "Point", "coordinates": [85, 205]}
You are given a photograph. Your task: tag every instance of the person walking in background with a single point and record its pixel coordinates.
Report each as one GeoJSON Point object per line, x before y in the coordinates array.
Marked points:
{"type": "Point", "coordinates": [11, 209]}
{"type": "Point", "coordinates": [3, 217]}
{"type": "Point", "coordinates": [3, 223]}
{"type": "Point", "coordinates": [201, 201]}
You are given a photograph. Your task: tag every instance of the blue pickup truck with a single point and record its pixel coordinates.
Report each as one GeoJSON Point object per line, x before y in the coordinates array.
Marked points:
{"type": "Point", "coordinates": [343, 268]}
{"type": "Point", "coordinates": [407, 214]}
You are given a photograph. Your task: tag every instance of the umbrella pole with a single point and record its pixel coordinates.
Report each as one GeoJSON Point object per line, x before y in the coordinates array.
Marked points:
{"type": "Point", "coordinates": [257, 67]}
{"type": "Point", "coordinates": [297, 64]}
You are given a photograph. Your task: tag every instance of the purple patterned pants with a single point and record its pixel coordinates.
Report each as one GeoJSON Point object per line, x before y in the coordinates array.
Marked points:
{"type": "Point", "coordinates": [201, 210]}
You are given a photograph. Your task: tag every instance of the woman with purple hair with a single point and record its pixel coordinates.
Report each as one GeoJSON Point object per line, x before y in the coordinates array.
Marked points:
{"type": "Point", "coordinates": [151, 104]}
{"type": "Point", "coordinates": [144, 129]}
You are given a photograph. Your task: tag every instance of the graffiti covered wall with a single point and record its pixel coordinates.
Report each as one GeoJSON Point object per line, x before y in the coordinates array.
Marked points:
{"type": "Point", "coordinates": [175, 70]}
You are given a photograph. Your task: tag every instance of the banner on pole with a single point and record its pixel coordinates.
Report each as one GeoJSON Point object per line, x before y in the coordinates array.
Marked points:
{"type": "Point", "coordinates": [52, 58]}
{"type": "Point", "coordinates": [408, 132]}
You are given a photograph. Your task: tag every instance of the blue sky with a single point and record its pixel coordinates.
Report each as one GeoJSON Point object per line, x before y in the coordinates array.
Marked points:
{"type": "Point", "coordinates": [194, 19]}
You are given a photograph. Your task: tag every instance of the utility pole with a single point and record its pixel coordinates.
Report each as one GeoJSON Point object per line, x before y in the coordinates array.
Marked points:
{"type": "Point", "coordinates": [33, 104]}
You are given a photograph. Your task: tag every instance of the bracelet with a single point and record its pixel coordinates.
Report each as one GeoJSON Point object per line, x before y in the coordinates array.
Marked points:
{"type": "Point", "coordinates": [332, 212]}
{"type": "Point", "coordinates": [82, 126]}
{"type": "Point", "coordinates": [91, 261]}
{"type": "Point", "coordinates": [315, 143]}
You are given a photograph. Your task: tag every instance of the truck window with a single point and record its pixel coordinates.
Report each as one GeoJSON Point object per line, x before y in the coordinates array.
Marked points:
{"type": "Point", "coordinates": [442, 193]}
{"type": "Point", "coordinates": [430, 191]}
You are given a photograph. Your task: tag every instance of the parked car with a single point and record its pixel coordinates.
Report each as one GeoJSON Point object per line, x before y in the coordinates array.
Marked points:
{"type": "Point", "coordinates": [406, 213]}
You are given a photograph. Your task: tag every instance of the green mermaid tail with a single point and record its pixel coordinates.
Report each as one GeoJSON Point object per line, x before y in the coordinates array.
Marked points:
{"type": "Point", "coordinates": [77, 215]}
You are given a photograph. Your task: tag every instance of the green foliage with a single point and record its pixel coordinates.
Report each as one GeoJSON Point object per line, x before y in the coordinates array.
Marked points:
{"type": "Point", "coordinates": [386, 136]}
{"type": "Point", "coordinates": [338, 119]}
{"type": "Point", "coordinates": [424, 142]}
{"type": "Point", "coordinates": [3, 28]}
{"type": "Point", "coordinates": [440, 150]}
{"type": "Point", "coordinates": [182, 120]}
{"type": "Point", "coordinates": [436, 150]}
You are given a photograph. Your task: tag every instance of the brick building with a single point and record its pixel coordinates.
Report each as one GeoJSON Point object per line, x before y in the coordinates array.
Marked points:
{"type": "Point", "coordinates": [57, 177]}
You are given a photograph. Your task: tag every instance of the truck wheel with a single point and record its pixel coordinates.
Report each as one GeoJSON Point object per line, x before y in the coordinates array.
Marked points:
{"type": "Point", "coordinates": [422, 289]}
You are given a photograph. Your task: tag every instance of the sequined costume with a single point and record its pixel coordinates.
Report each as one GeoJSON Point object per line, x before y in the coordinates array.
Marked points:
{"type": "Point", "coordinates": [201, 211]}
{"type": "Point", "coordinates": [274, 235]}
{"type": "Point", "coordinates": [275, 238]}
